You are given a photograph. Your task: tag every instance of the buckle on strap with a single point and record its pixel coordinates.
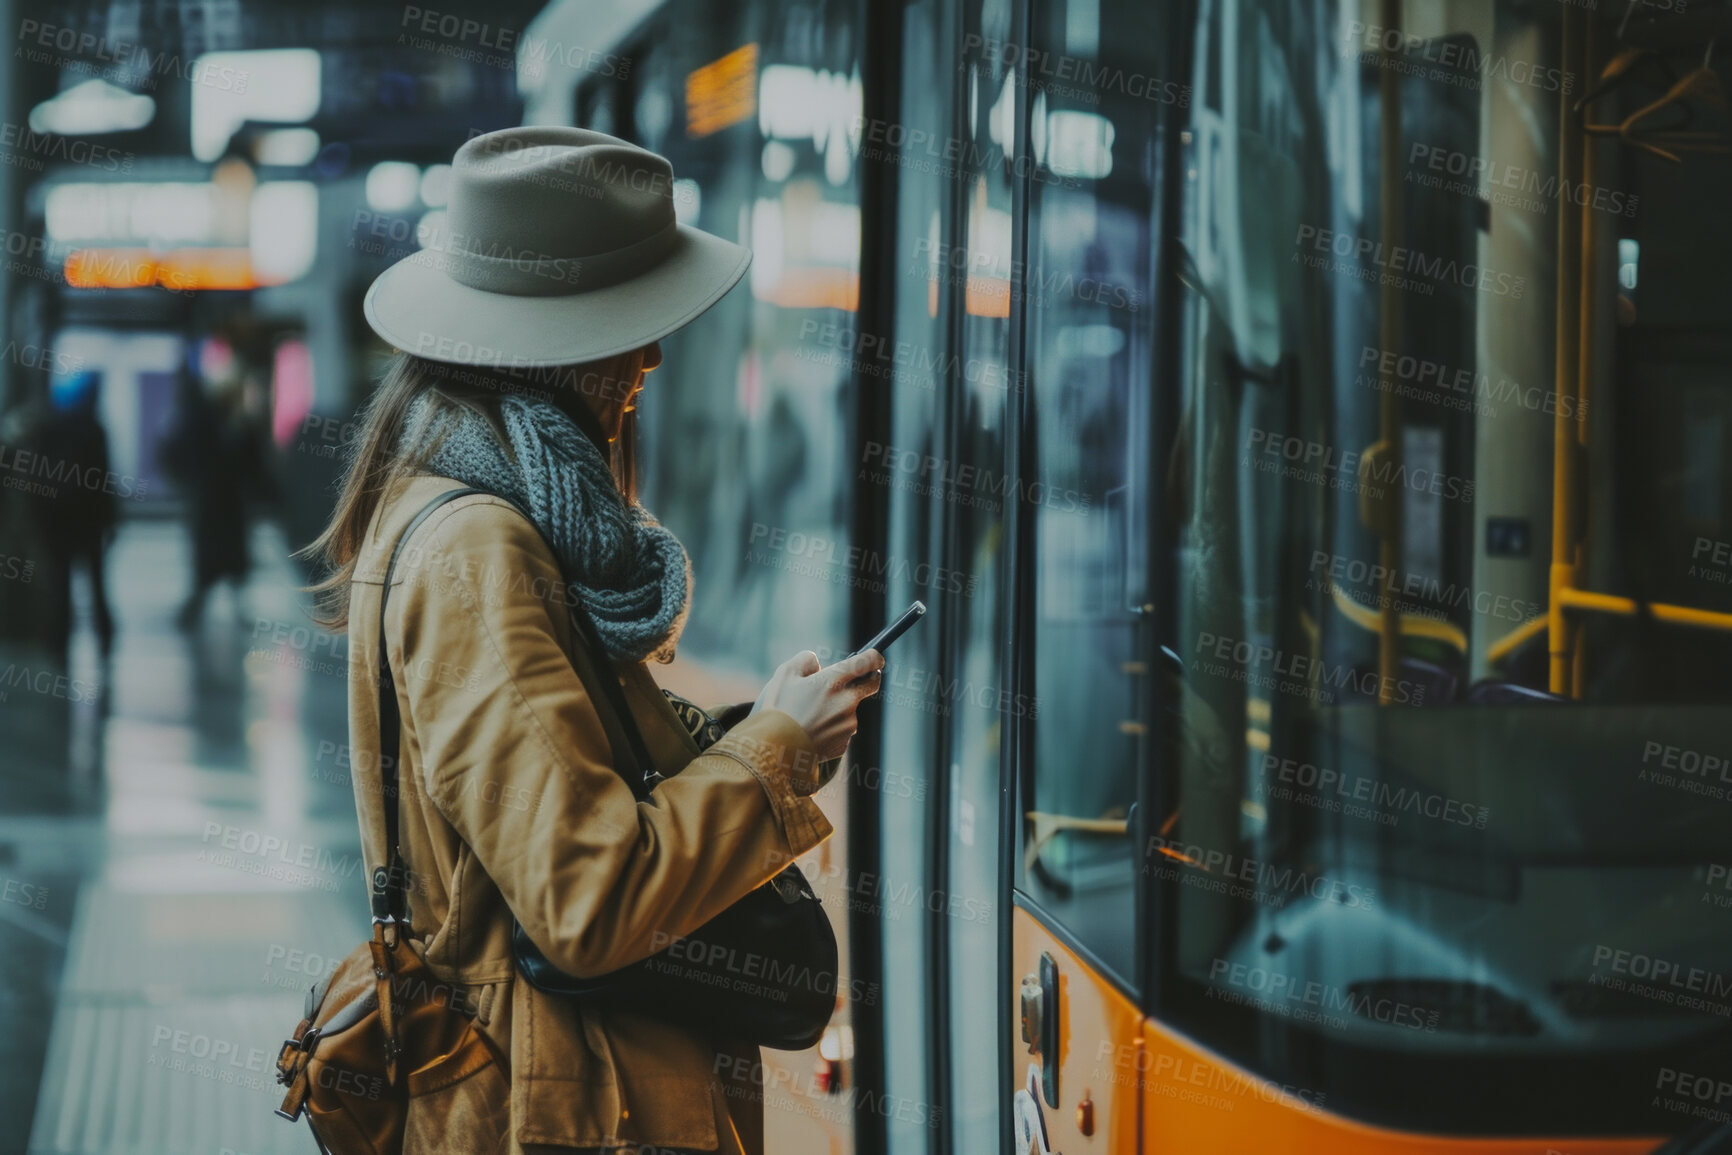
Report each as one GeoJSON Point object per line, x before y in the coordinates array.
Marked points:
{"type": "Point", "coordinates": [292, 1072]}
{"type": "Point", "coordinates": [288, 1066]}
{"type": "Point", "coordinates": [387, 892]}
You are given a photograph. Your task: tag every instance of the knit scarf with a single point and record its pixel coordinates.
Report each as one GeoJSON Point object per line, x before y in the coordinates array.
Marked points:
{"type": "Point", "coordinates": [630, 572]}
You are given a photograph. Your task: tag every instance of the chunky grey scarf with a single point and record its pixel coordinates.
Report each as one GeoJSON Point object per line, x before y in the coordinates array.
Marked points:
{"type": "Point", "coordinates": [630, 572]}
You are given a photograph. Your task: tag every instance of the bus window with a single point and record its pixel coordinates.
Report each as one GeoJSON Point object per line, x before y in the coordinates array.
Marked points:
{"type": "Point", "coordinates": [1086, 295]}
{"type": "Point", "coordinates": [1412, 832]}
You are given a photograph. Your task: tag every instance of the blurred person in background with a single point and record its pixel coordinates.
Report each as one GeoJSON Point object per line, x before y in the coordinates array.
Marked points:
{"type": "Point", "coordinates": [76, 518]}
{"type": "Point", "coordinates": [479, 628]}
{"type": "Point", "coordinates": [218, 455]}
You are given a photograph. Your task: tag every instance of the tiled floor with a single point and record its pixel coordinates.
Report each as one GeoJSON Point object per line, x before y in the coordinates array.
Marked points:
{"type": "Point", "coordinates": [188, 841]}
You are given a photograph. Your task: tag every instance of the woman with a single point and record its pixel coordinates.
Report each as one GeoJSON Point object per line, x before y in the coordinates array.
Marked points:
{"type": "Point", "coordinates": [523, 342]}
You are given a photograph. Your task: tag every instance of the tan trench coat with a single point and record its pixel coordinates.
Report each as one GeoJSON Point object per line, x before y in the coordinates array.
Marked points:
{"type": "Point", "coordinates": [510, 804]}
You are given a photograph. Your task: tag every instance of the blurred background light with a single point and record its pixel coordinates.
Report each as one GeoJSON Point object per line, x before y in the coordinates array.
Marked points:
{"type": "Point", "coordinates": [778, 161]}
{"type": "Point", "coordinates": [688, 201]}
{"type": "Point", "coordinates": [722, 92]}
{"type": "Point", "coordinates": [436, 185]}
{"type": "Point", "coordinates": [160, 214]}
{"type": "Point", "coordinates": [273, 85]}
{"type": "Point", "coordinates": [91, 109]}
{"type": "Point", "coordinates": [796, 103]}
{"type": "Point", "coordinates": [292, 399]}
{"type": "Point", "coordinates": [838, 160]}
{"type": "Point", "coordinates": [1079, 144]}
{"type": "Point", "coordinates": [1629, 255]}
{"type": "Point", "coordinates": [392, 186]}
{"type": "Point", "coordinates": [285, 230]}
{"type": "Point", "coordinates": [1001, 117]}
{"type": "Point", "coordinates": [292, 147]}
{"type": "Point", "coordinates": [765, 240]}
{"type": "Point", "coordinates": [1090, 341]}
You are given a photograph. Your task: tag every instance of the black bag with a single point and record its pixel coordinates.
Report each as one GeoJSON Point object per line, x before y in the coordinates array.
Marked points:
{"type": "Point", "coordinates": [763, 971]}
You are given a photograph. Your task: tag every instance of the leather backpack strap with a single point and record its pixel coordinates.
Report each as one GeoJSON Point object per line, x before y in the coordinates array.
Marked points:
{"type": "Point", "coordinates": [390, 882]}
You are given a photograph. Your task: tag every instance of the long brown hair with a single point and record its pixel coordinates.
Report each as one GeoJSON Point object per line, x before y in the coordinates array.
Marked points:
{"type": "Point", "coordinates": [384, 453]}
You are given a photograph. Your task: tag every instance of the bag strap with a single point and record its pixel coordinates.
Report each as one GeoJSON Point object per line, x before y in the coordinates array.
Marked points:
{"type": "Point", "coordinates": [390, 882]}
{"type": "Point", "coordinates": [642, 763]}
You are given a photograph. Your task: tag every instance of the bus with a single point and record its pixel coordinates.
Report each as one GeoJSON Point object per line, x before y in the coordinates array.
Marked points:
{"type": "Point", "coordinates": [1307, 424]}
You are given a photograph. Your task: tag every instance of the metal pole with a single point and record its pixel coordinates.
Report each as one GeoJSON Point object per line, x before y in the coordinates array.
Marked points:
{"type": "Point", "coordinates": [1569, 306]}
{"type": "Point", "coordinates": [1389, 335]}
{"type": "Point", "coordinates": [1593, 235]}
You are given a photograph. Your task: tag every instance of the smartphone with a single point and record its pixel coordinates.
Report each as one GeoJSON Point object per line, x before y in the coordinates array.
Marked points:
{"type": "Point", "coordinates": [894, 630]}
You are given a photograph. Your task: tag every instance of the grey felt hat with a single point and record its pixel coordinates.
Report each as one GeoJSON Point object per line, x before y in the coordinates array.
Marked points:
{"type": "Point", "coordinates": [560, 246]}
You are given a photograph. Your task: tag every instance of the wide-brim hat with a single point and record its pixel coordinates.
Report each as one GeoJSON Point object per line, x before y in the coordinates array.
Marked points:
{"type": "Point", "coordinates": [559, 246]}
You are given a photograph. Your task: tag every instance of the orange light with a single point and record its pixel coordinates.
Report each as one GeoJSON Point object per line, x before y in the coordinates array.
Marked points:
{"type": "Point", "coordinates": [1185, 858]}
{"type": "Point", "coordinates": [987, 296]}
{"type": "Point", "coordinates": [816, 287]}
{"type": "Point", "coordinates": [228, 267]}
{"type": "Point", "coordinates": [983, 297]}
{"type": "Point", "coordinates": [110, 268]}
{"type": "Point", "coordinates": [722, 92]}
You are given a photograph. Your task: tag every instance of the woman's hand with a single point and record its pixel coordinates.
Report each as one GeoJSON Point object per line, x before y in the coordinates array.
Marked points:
{"type": "Point", "coordinates": [823, 699]}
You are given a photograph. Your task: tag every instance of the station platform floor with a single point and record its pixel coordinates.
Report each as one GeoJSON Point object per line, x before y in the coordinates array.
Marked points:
{"type": "Point", "coordinates": [180, 860]}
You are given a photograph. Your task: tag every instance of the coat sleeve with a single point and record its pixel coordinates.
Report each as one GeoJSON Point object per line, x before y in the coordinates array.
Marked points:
{"type": "Point", "coordinates": [515, 756]}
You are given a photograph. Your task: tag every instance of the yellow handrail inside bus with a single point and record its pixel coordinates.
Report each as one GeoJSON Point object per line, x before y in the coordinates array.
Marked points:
{"type": "Point", "coordinates": [1510, 642]}
{"type": "Point", "coordinates": [1411, 625]}
{"type": "Point", "coordinates": [1592, 603]}
{"type": "Point", "coordinates": [1566, 379]}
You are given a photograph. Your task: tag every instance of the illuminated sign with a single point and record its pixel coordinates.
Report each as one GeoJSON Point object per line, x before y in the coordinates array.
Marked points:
{"type": "Point", "coordinates": [722, 92]}
{"type": "Point", "coordinates": [180, 270]}
{"type": "Point", "coordinates": [226, 234]}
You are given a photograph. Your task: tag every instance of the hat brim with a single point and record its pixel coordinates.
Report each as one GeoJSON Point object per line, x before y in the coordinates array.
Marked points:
{"type": "Point", "coordinates": [419, 309]}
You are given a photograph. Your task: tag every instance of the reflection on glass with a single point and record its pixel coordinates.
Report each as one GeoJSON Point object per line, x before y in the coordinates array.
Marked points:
{"type": "Point", "coordinates": [1087, 295]}
{"type": "Point", "coordinates": [1400, 865]}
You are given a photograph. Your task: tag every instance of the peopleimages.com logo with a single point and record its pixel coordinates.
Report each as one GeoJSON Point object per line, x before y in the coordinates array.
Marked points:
{"type": "Point", "coordinates": [1074, 76]}
{"type": "Point", "coordinates": [1429, 596]}
{"type": "Point", "coordinates": [1190, 1080]}
{"type": "Point", "coordinates": [1454, 387]}
{"type": "Point", "coordinates": [1302, 459]}
{"type": "Point", "coordinates": [1511, 184]}
{"type": "Point", "coordinates": [1449, 61]}
{"type": "Point", "coordinates": [1268, 667]}
{"type": "Point", "coordinates": [1264, 881]}
{"type": "Point", "coordinates": [1358, 796]}
{"type": "Point", "coordinates": [1310, 1000]}
{"type": "Point", "coordinates": [1398, 265]}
